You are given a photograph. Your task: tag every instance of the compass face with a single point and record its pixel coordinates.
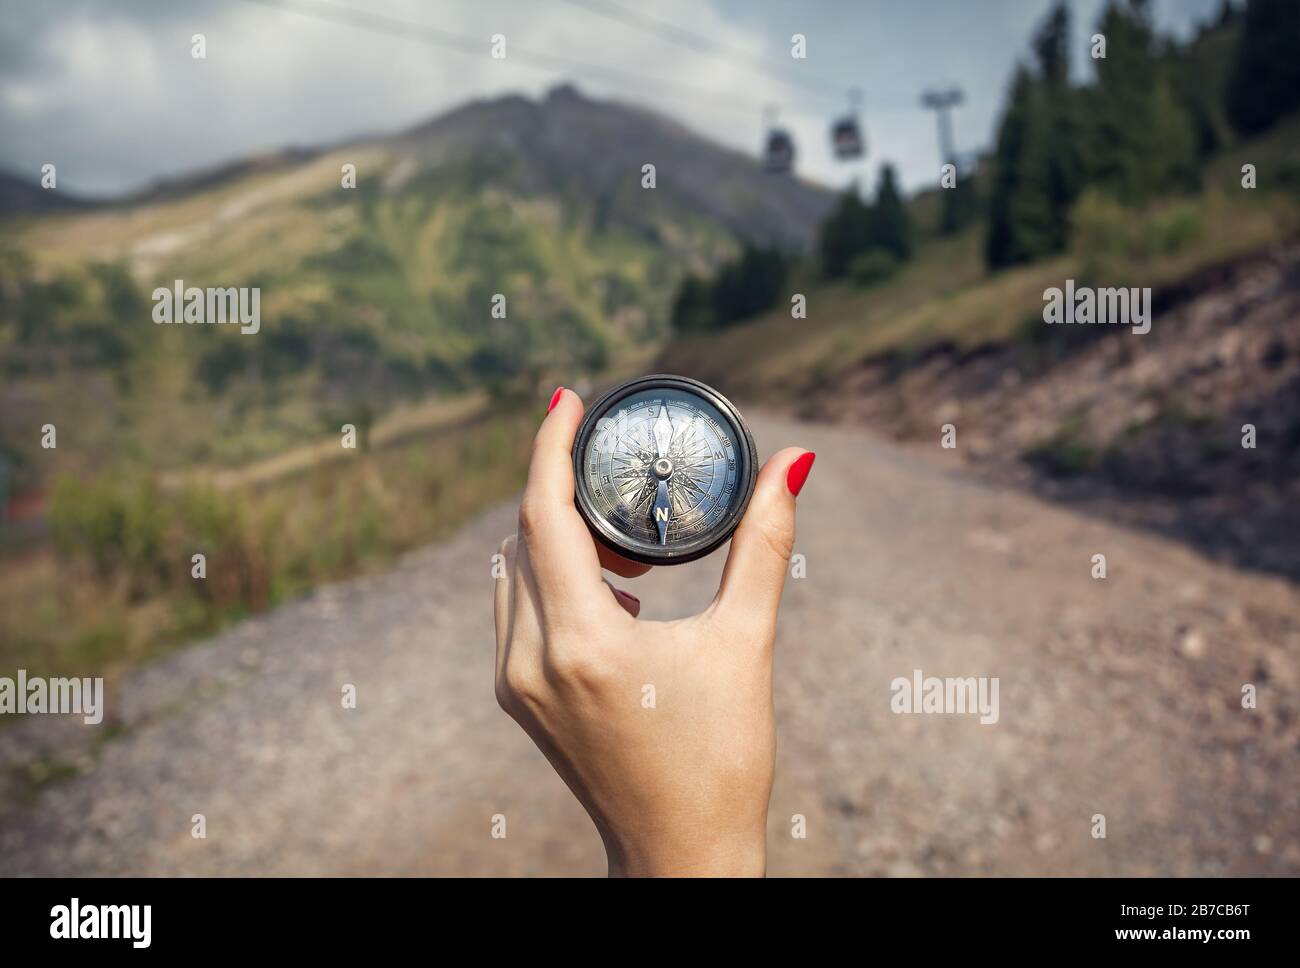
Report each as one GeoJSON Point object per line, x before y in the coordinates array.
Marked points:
{"type": "Point", "coordinates": [665, 467]}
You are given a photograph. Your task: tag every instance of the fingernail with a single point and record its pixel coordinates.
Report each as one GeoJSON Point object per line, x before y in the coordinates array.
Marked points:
{"type": "Point", "coordinates": [798, 472]}
{"type": "Point", "coordinates": [555, 398]}
{"type": "Point", "coordinates": [630, 596]}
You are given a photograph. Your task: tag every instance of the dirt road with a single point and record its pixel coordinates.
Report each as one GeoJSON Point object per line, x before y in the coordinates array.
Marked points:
{"type": "Point", "coordinates": [1119, 697]}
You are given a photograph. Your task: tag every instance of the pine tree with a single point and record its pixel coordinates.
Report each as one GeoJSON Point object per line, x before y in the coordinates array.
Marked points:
{"type": "Point", "coordinates": [749, 285]}
{"type": "Point", "coordinates": [889, 225]}
{"type": "Point", "coordinates": [1020, 201]}
{"type": "Point", "coordinates": [1265, 82]}
{"type": "Point", "coordinates": [1062, 156]}
{"type": "Point", "coordinates": [1141, 138]}
{"type": "Point", "coordinates": [845, 233]}
{"type": "Point", "coordinates": [744, 287]}
{"type": "Point", "coordinates": [693, 307]}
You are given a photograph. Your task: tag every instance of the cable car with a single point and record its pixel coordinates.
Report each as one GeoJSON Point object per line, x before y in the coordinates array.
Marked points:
{"type": "Point", "coordinates": [778, 156]}
{"type": "Point", "coordinates": [846, 135]}
{"type": "Point", "coordinates": [846, 139]}
{"type": "Point", "coordinates": [778, 149]}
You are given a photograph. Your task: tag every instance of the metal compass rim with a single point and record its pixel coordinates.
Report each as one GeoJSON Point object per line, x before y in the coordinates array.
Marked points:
{"type": "Point", "coordinates": [716, 536]}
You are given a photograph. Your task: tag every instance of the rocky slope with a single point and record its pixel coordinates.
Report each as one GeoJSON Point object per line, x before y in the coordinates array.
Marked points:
{"type": "Point", "coordinates": [1147, 429]}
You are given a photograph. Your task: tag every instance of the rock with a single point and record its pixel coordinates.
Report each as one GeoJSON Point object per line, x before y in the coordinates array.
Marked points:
{"type": "Point", "coordinates": [1193, 644]}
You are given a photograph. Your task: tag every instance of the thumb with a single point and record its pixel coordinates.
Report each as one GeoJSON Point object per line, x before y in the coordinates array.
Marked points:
{"type": "Point", "coordinates": [760, 550]}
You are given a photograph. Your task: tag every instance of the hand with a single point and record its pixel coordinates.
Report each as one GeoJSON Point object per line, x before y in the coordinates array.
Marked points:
{"type": "Point", "coordinates": [683, 787]}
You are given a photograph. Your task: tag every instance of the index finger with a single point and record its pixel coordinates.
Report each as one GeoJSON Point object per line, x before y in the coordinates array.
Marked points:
{"type": "Point", "coordinates": [560, 548]}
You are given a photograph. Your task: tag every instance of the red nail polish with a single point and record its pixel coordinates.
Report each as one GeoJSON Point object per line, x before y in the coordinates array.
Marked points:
{"type": "Point", "coordinates": [629, 595]}
{"type": "Point", "coordinates": [555, 398]}
{"type": "Point", "coordinates": [798, 473]}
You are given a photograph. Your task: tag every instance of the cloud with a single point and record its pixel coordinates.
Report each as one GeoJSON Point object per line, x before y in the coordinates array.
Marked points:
{"type": "Point", "coordinates": [110, 93]}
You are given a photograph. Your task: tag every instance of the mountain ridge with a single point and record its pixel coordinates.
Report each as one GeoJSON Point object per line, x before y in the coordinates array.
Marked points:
{"type": "Point", "coordinates": [563, 126]}
{"type": "Point", "coordinates": [22, 196]}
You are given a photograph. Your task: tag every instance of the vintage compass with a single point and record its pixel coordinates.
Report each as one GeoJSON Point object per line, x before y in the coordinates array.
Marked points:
{"type": "Point", "coordinates": [664, 467]}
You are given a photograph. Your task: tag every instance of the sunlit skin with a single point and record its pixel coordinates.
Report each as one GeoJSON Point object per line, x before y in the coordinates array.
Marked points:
{"type": "Point", "coordinates": [680, 788]}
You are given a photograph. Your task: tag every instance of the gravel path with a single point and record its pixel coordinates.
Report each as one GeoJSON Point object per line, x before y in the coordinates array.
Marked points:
{"type": "Point", "coordinates": [1119, 697]}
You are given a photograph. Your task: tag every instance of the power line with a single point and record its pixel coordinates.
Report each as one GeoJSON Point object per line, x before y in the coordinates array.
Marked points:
{"type": "Point", "coordinates": [708, 45]}
{"type": "Point", "coordinates": [467, 44]}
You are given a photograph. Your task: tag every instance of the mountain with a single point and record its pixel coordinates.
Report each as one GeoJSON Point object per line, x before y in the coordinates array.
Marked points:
{"type": "Point", "coordinates": [179, 187]}
{"type": "Point", "coordinates": [384, 291]}
{"type": "Point", "coordinates": [18, 196]}
{"type": "Point", "coordinates": [576, 146]}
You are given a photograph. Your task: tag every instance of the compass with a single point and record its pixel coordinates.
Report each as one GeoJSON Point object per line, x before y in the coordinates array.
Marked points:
{"type": "Point", "coordinates": [664, 467]}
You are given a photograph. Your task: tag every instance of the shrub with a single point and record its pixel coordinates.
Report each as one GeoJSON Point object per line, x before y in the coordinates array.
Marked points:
{"type": "Point", "coordinates": [743, 288]}
{"type": "Point", "coordinates": [872, 267]}
{"type": "Point", "coordinates": [1110, 238]}
{"type": "Point", "coordinates": [117, 522]}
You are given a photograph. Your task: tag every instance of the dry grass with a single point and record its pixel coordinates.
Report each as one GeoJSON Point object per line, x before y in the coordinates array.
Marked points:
{"type": "Point", "coordinates": [270, 533]}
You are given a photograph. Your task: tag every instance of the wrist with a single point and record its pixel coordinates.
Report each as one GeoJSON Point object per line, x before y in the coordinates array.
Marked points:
{"type": "Point", "coordinates": [742, 854]}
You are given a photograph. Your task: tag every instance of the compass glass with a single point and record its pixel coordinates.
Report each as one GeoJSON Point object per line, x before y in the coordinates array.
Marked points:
{"type": "Point", "coordinates": [665, 468]}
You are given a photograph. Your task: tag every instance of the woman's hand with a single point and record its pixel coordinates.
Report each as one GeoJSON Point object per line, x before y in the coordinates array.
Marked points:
{"type": "Point", "coordinates": [679, 785]}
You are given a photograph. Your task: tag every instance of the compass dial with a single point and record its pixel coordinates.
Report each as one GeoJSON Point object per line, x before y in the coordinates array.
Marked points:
{"type": "Point", "coordinates": [664, 467]}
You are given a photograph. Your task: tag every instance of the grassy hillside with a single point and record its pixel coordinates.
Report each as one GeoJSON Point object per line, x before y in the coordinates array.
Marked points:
{"type": "Point", "coordinates": [371, 296]}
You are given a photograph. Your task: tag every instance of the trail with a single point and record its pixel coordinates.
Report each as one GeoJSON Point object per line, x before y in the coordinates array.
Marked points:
{"type": "Point", "coordinates": [1119, 698]}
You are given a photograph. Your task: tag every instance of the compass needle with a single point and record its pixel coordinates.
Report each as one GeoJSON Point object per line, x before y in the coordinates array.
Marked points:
{"type": "Point", "coordinates": [663, 509]}
{"type": "Point", "coordinates": [663, 432]}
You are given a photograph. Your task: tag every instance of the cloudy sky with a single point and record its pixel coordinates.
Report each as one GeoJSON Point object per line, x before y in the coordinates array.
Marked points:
{"type": "Point", "coordinates": [108, 90]}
